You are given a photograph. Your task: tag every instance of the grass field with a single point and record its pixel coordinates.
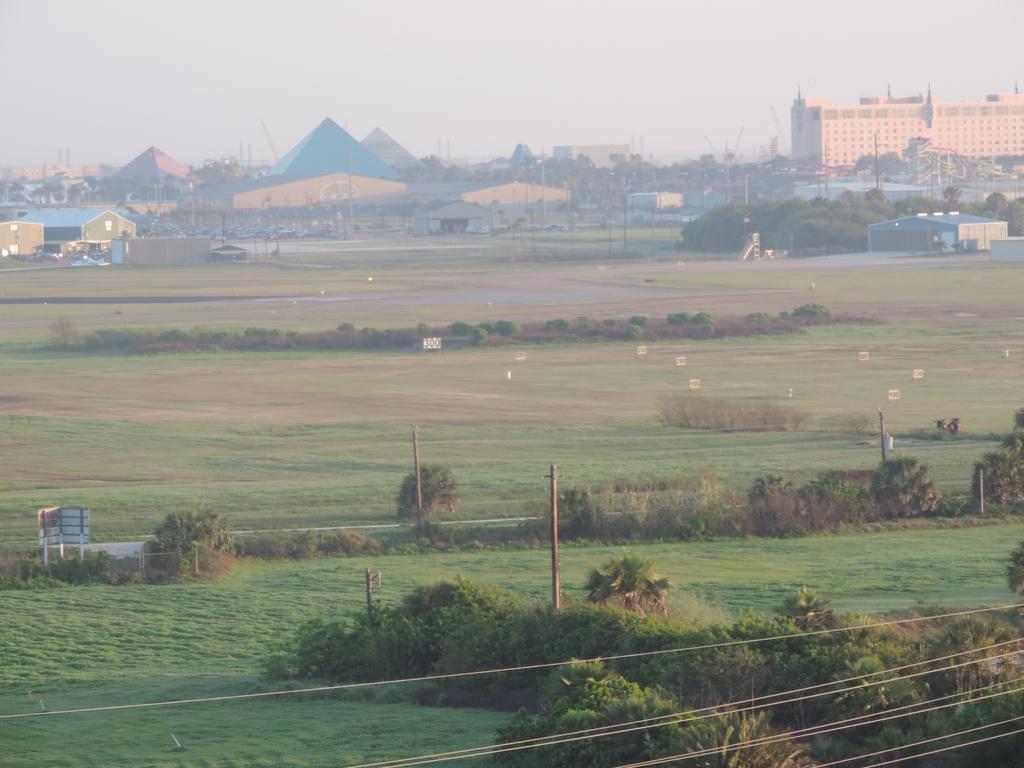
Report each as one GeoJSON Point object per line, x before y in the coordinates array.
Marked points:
{"type": "Point", "coordinates": [100, 645]}
{"type": "Point", "coordinates": [289, 439]}
{"type": "Point", "coordinates": [317, 438]}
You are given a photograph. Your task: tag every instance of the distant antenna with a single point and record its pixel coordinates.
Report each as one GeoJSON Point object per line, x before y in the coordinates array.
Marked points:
{"type": "Point", "coordinates": [270, 141]}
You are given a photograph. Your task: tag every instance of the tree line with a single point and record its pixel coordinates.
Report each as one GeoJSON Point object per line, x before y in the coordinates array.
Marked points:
{"type": "Point", "coordinates": [814, 227]}
{"type": "Point", "coordinates": [455, 626]}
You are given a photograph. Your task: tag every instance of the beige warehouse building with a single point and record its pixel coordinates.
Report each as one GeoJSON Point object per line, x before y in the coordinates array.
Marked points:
{"type": "Point", "coordinates": [63, 227]}
{"type": "Point", "coordinates": [20, 238]}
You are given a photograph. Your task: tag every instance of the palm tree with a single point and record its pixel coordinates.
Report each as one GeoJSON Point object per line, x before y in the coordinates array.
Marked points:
{"type": "Point", "coordinates": [873, 693]}
{"type": "Point", "coordinates": [1015, 571]}
{"type": "Point", "coordinates": [951, 197]}
{"type": "Point", "coordinates": [630, 583]}
{"type": "Point", "coordinates": [722, 735]}
{"type": "Point", "coordinates": [810, 609]}
{"type": "Point", "coordinates": [901, 488]}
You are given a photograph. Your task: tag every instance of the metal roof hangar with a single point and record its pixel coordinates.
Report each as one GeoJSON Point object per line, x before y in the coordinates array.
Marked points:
{"type": "Point", "coordinates": [63, 226]}
{"type": "Point", "coordinates": [928, 232]}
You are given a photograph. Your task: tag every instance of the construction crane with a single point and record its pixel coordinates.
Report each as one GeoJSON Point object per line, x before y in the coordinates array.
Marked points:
{"type": "Point", "coordinates": [270, 141]}
{"type": "Point", "coordinates": [783, 145]}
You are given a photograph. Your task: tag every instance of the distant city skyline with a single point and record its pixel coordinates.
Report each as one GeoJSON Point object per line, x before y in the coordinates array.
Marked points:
{"type": "Point", "coordinates": [111, 78]}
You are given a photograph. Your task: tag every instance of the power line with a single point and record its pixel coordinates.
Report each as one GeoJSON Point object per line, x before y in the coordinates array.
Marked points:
{"type": "Point", "coordinates": [950, 748]}
{"type": "Point", "coordinates": [662, 721]}
{"type": "Point", "coordinates": [690, 715]}
{"type": "Point", "coordinates": [841, 725]}
{"type": "Point", "coordinates": [929, 741]}
{"type": "Point", "coordinates": [520, 668]}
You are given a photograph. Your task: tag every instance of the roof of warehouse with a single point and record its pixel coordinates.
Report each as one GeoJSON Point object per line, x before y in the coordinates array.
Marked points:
{"type": "Point", "coordinates": [152, 164]}
{"type": "Point", "coordinates": [329, 148]}
{"type": "Point", "coordinates": [931, 220]}
{"type": "Point", "coordinates": [68, 217]}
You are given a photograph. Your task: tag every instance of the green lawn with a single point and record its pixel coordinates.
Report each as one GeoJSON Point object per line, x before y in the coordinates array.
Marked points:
{"type": "Point", "coordinates": [306, 438]}
{"type": "Point", "coordinates": [295, 732]}
{"type": "Point", "coordinates": [99, 645]}
{"type": "Point", "coordinates": [314, 438]}
{"type": "Point", "coordinates": [219, 627]}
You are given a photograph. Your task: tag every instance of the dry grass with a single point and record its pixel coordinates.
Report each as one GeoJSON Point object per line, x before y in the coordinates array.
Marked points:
{"type": "Point", "coordinates": [728, 414]}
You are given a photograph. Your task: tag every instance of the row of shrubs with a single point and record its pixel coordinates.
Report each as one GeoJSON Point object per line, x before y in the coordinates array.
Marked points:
{"type": "Point", "coordinates": [677, 325]}
{"type": "Point", "coordinates": [23, 572]}
{"type": "Point", "coordinates": [453, 627]}
{"type": "Point", "coordinates": [897, 489]}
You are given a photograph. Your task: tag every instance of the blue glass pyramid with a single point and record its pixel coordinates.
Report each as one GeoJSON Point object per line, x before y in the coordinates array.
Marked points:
{"type": "Point", "coordinates": [329, 148]}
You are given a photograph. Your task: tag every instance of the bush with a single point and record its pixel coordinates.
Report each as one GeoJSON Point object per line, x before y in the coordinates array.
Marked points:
{"type": "Point", "coordinates": [460, 329]}
{"type": "Point", "coordinates": [679, 318]}
{"type": "Point", "coordinates": [438, 488]}
{"type": "Point", "coordinates": [811, 310]}
{"type": "Point", "coordinates": [195, 532]}
{"type": "Point", "coordinates": [640, 320]}
{"type": "Point", "coordinates": [507, 328]}
{"type": "Point", "coordinates": [556, 326]}
{"type": "Point", "coordinates": [278, 546]}
{"type": "Point", "coordinates": [901, 488]}
{"type": "Point", "coordinates": [64, 331]}
{"type": "Point", "coordinates": [94, 569]}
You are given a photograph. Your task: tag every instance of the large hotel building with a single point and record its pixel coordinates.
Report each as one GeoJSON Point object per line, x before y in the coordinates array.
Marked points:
{"type": "Point", "coordinates": [840, 134]}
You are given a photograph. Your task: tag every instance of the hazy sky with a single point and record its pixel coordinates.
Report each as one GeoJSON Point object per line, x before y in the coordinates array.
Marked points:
{"type": "Point", "coordinates": [107, 78]}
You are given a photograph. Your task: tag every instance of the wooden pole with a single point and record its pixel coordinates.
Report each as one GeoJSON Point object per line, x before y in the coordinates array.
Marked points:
{"type": "Point", "coordinates": [556, 578]}
{"type": "Point", "coordinates": [369, 594]}
{"type": "Point", "coordinates": [881, 431]}
{"type": "Point", "coordinates": [195, 559]}
{"type": "Point", "coordinates": [981, 491]}
{"type": "Point", "coordinates": [419, 478]}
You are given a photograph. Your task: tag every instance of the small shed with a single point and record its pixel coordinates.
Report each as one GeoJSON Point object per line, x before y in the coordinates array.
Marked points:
{"type": "Point", "coordinates": [454, 218]}
{"type": "Point", "coordinates": [229, 253]}
{"type": "Point", "coordinates": [1008, 251]}
{"type": "Point", "coordinates": [937, 232]}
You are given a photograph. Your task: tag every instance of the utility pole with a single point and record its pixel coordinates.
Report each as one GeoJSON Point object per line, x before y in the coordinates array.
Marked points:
{"type": "Point", "coordinates": [556, 577]}
{"type": "Point", "coordinates": [371, 577]}
{"type": "Point", "coordinates": [878, 185]}
{"type": "Point", "coordinates": [419, 478]}
{"type": "Point", "coordinates": [349, 224]}
{"type": "Point", "coordinates": [981, 491]}
{"type": "Point", "coordinates": [625, 221]}
{"type": "Point", "coordinates": [881, 431]}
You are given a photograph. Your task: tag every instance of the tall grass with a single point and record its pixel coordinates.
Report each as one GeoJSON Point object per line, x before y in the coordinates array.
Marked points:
{"type": "Point", "coordinates": [728, 414]}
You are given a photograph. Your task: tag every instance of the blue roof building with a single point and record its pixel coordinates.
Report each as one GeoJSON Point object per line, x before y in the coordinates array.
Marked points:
{"type": "Point", "coordinates": [90, 225]}
{"type": "Point", "coordinates": [928, 232]}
